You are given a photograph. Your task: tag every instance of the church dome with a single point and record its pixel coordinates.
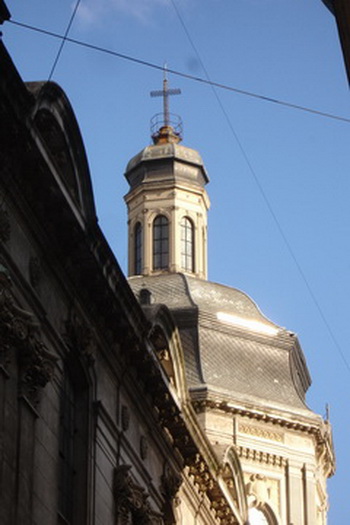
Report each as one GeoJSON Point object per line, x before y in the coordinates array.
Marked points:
{"type": "Point", "coordinates": [171, 161]}
{"type": "Point", "coordinates": [166, 151]}
{"type": "Point", "coordinates": [232, 351]}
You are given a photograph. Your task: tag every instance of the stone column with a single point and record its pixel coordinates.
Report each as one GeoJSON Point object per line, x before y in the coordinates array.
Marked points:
{"type": "Point", "coordinates": [174, 239]}
{"type": "Point", "coordinates": [148, 244]}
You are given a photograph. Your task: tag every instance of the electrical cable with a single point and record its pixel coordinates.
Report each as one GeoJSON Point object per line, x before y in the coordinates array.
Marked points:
{"type": "Point", "coordinates": [263, 194]}
{"type": "Point", "coordinates": [64, 39]}
{"type": "Point", "coordinates": [207, 81]}
{"type": "Point", "coordinates": [180, 73]}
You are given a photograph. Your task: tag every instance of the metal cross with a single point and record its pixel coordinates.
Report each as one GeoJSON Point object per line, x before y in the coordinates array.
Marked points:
{"type": "Point", "coordinates": [165, 93]}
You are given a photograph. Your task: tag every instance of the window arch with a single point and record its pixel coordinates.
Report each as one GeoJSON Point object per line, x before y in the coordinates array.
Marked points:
{"type": "Point", "coordinates": [257, 517]}
{"type": "Point", "coordinates": [187, 244]}
{"type": "Point", "coordinates": [160, 243]}
{"type": "Point", "coordinates": [138, 248]}
{"type": "Point", "coordinates": [262, 516]}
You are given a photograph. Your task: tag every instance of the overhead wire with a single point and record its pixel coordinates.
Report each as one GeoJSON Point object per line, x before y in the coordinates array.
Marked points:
{"type": "Point", "coordinates": [266, 200]}
{"type": "Point", "coordinates": [208, 81]}
{"type": "Point", "coordinates": [262, 192]}
{"type": "Point", "coordinates": [180, 73]}
{"type": "Point", "coordinates": [64, 39]}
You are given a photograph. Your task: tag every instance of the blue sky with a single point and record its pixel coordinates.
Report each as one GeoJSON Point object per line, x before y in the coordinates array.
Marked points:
{"type": "Point", "coordinates": [295, 163]}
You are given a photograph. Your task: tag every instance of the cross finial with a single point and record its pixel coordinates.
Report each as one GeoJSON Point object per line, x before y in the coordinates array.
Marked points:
{"type": "Point", "coordinates": [165, 93]}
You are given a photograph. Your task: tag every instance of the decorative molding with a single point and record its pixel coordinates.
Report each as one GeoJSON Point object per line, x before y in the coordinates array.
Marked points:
{"type": "Point", "coordinates": [132, 506]}
{"type": "Point", "coordinates": [261, 457]}
{"type": "Point", "coordinates": [319, 429]}
{"type": "Point", "coordinates": [79, 337]}
{"type": "Point", "coordinates": [20, 333]}
{"type": "Point", "coordinates": [200, 471]}
{"type": "Point", "coordinates": [262, 490]}
{"type": "Point", "coordinates": [37, 367]}
{"type": "Point", "coordinates": [203, 477]}
{"type": "Point", "coordinates": [170, 485]}
{"type": "Point", "coordinates": [264, 493]}
{"type": "Point", "coordinates": [208, 484]}
{"type": "Point", "coordinates": [170, 482]}
{"type": "Point", "coordinates": [200, 405]}
{"type": "Point", "coordinates": [260, 432]}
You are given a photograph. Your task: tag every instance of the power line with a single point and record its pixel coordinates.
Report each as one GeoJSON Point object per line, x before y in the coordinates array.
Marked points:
{"type": "Point", "coordinates": [214, 85]}
{"type": "Point", "coordinates": [64, 40]}
{"type": "Point", "coordinates": [180, 73]}
{"type": "Point", "coordinates": [264, 195]}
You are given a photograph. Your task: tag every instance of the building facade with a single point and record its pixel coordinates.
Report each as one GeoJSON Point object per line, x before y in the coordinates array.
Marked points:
{"type": "Point", "coordinates": [246, 377]}
{"type": "Point", "coordinates": [162, 399]}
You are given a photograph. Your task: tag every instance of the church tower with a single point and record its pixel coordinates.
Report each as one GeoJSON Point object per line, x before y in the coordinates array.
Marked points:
{"type": "Point", "coordinates": [167, 201]}
{"type": "Point", "coordinates": [244, 377]}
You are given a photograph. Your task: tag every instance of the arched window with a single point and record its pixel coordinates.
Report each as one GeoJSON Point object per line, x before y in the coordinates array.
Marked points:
{"type": "Point", "coordinates": [187, 245]}
{"type": "Point", "coordinates": [260, 517]}
{"type": "Point", "coordinates": [160, 243]}
{"type": "Point", "coordinates": [138, 248]}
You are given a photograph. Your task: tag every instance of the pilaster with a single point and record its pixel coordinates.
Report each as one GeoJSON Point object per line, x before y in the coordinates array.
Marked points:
{"type": "Point", "coordinates": [295, 493]}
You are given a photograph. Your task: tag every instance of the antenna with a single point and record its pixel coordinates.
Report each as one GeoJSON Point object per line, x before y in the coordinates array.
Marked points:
{"type": "Point", "coordinates": [327, 412]}
{"type": "Point", "coordinates": [165, 93]}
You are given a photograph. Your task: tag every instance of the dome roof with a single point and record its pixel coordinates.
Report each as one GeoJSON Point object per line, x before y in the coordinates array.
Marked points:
{"type": "Point", "coordinates": [167, 151]}
{"type": "Point", "coordinates": [230, 347]}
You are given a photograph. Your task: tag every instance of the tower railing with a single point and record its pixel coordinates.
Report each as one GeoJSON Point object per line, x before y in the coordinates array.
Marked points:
{"type": "Point", "coordinates": [173, 121]}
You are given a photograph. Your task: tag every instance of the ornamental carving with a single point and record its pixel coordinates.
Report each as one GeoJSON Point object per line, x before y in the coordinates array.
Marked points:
{"type": "Point", "coordinates": [170, 485]}
{"type": "Point", "coordinates": [200, 471]}
{"type": "Point", "coordinates": [132, 507]}
{"type": "Point", "coordinates": [37, 367]}
{"type": "Point", "coordinates": [171, 482]}
{"type": "Point", "coordinates": [79, 338]}
{"type": "Point", "coordinates": [261, 457]}
{"type": "Point", "coordinates": [262, 490]}
{"type": "Point", "coordinates": [20, 335]}
{"type": "Point", "coordinates": [257, 490]}
{"type": "Point", "coordinates": [260, 432]}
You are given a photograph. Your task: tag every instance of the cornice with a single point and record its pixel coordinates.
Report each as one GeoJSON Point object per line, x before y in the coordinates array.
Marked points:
{"type": "Point", "coordinates": [318, 428]}
{"type": "Point", "coordinates": [167, 185]}
{"type": "Point", "coordinates": [196, 451]}
{"type": "Point", "coordinates": [309, 426]}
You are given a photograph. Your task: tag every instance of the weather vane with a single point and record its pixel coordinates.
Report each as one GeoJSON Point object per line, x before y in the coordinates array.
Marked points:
{"type": "Point", "coordinates": [165, 93]}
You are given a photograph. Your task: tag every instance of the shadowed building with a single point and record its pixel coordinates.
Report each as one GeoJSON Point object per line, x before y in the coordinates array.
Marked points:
{"type": "Point", "coordinates": [341, 11]}
{"type": "Point", "coordinates": [246, 377]}
{"type": "Point", "coordinates": [94, 429]}
{"type": "Point", "coordinates": [161, 400]}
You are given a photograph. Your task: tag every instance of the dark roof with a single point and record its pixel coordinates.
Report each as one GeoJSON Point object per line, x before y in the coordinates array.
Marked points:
{"type": "Point", "coordinates": [166, 162]}
{"type": "Point", "coordinates": [231, 359]}
{"type": "Point", "coordinates": [4, 12]}
{"type": "Point", "coordinates": [341, 11]}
